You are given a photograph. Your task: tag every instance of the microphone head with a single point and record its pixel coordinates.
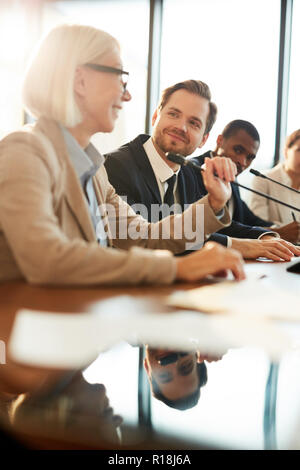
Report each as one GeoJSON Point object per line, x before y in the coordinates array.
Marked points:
{"type": "Point", "coordinates": [255, 172]}
{"type": "Point", "coordinates": [176, 158]}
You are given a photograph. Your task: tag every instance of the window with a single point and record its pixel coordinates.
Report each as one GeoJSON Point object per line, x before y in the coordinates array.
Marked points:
{"type": "Point", "coordinates": [18, 29]}
{"type": "Point", "coordinates": [294, 91]}
{"type": "Point", "coordinates": [233, 47]}
{"type": "Point", "coordinates": [23, 22]}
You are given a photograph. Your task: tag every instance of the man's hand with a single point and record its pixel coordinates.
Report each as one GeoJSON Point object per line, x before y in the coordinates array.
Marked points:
{"type": "Point", "coordinates": [272, 248]}
{"type": "Point", "coordinates": [211, 259]}
{"type": "Point", "coordinates": [289, 232]}
{"type": "Point", "coordinates": [218, 187]}
{"type": "Point", "coordinates": [207, 357]}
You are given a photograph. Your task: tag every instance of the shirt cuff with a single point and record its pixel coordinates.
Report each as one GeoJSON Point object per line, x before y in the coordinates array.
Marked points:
{"type": "Point", "coordinates": [274, 234]}
{"type": "Point", "coordinates": [229, 242]}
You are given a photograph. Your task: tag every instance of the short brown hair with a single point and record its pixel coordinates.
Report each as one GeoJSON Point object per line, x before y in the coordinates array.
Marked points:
{"type": "Point", "coordinates": [198, 88]}
{"type": "Point", "coordinates": [292, 138]}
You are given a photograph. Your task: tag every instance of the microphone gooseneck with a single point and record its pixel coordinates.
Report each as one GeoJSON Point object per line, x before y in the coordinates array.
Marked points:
{"type": "Point", "coordinates": [261, 175]}
{"type": "Point", "coordinates": [180, 160]}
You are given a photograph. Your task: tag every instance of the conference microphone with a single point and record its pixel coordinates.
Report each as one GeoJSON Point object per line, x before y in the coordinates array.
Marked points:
{"type": "Point", "coordinates": [257, 173]}
{"type": "Point", "coordinates": [180, 160]}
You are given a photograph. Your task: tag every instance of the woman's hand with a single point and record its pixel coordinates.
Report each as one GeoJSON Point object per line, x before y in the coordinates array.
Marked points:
{"type": "Point", "coordinates": [211, 259]}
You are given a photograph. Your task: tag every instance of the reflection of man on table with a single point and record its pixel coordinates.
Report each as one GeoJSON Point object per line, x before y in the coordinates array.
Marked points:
{"type": "Point", "coordinates": [176, 377]}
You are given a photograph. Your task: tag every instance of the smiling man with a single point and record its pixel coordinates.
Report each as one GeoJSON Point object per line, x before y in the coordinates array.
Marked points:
{"type": "Point", "coordinates": [181, 123]}
{"type": "Point", "coordinates": [194, 128]}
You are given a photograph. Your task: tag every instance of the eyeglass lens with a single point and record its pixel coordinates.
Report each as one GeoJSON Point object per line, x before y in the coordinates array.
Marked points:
{"type": "Point", "coordinates": [171, 358]}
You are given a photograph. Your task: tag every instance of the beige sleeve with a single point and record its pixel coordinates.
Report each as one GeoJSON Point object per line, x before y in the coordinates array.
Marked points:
{"type": "Point", "coordinates": [176, 233]}
{"type": "Point", "coordinates": [39, 246]}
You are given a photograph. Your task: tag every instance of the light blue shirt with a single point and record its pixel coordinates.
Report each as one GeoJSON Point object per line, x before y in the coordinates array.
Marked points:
{"type": "Point", "coordinates": [86, 163]}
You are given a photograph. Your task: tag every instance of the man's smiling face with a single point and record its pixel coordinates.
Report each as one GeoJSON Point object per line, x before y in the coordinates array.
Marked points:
{"type": "Point", "coordinates": [180, 125]}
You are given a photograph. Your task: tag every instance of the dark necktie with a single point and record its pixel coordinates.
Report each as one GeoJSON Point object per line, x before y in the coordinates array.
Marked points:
{"type": "Point", "coordinates": [169, 194]}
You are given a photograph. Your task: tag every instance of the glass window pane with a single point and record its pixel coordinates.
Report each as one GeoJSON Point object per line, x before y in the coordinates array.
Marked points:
{"type": "Point", "coordinates": [294, 90]}
{"type": "Point", "coordinates": [17, 33]}
{"type": "Point", "coordinates": [233, 47]}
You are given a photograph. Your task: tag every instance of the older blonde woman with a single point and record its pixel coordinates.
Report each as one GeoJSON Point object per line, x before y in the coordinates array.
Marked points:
{"type": "Point", "coordinates": [288, 173]}
{"type": "Point", "coordinates": [53, 229]}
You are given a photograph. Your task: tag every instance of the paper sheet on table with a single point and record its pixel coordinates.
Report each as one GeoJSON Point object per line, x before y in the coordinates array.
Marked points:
{"type": "Point", "coordinates": [74, 341]}
{"type": "Point", "coordinates": [249, 297]}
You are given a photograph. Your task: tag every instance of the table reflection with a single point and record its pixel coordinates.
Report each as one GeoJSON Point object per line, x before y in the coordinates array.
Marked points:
{"type": "Point", "coordinates": [74, 411]}
{"type": "Point", "coordinates": [198, 399]}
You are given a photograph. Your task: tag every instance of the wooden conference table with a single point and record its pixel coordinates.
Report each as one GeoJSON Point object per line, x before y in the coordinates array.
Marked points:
{"type": "Point", "coordinates": [15, 378]}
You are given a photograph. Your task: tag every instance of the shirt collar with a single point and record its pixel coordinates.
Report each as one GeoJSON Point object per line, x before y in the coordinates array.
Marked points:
{"type": "Point", "coordinates": [160, 168]}
{"type": "Point", "coordinates": [85, 161]}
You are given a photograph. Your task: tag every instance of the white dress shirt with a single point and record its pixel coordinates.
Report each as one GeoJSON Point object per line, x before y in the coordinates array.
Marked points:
{"type": "Point", "coordinates": [162, 172]}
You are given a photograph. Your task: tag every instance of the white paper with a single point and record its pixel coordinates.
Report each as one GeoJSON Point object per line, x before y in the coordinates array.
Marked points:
{"type": "Point", "coordinates": [74, 341]}
{"type": "Point", "coordinates": [248, 297]}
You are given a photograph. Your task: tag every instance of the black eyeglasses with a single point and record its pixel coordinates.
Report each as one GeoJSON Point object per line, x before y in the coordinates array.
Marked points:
{"type": "Point", "coordinates": [107, 69]}
{"type": "Point", "coordinates": [171, 358]}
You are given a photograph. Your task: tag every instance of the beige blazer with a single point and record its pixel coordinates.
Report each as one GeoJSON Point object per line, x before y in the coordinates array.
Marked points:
{"type": "Point", "coordinates": [270, 210]}
{"type": "Point", "coordinates": [46, 233]}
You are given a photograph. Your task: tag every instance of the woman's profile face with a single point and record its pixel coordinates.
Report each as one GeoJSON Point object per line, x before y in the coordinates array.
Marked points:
{"type": "Point", "coordinates": [292, 161]}
{"type": "Point", "coordinates": [100, 95]}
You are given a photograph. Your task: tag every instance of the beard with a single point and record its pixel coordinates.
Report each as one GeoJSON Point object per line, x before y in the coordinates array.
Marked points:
{"type": "Point", "coordinates": [239, 169]}
{"type": "Point", "coordinates": [167, 144]}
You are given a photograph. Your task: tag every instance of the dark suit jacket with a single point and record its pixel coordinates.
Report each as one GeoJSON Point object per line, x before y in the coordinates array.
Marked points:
{"type": "Point", "coordinates": [131, 173]}
{"type": "Point", "coordinates": [242, 213]}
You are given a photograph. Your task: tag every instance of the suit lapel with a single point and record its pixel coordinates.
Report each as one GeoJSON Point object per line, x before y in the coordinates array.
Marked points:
{"type": "Point", "coordinates": [238, 213]}
{"type": "Point", "coordinates": [182, 189]}
{"type": "Point", "coordinates": [142, 162]}
{"type": "Point", "coordinates": [73, 192]}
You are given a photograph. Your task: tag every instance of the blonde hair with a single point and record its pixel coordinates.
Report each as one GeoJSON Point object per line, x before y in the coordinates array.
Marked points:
{"type": "Point", "coordinates": [48, 84]}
